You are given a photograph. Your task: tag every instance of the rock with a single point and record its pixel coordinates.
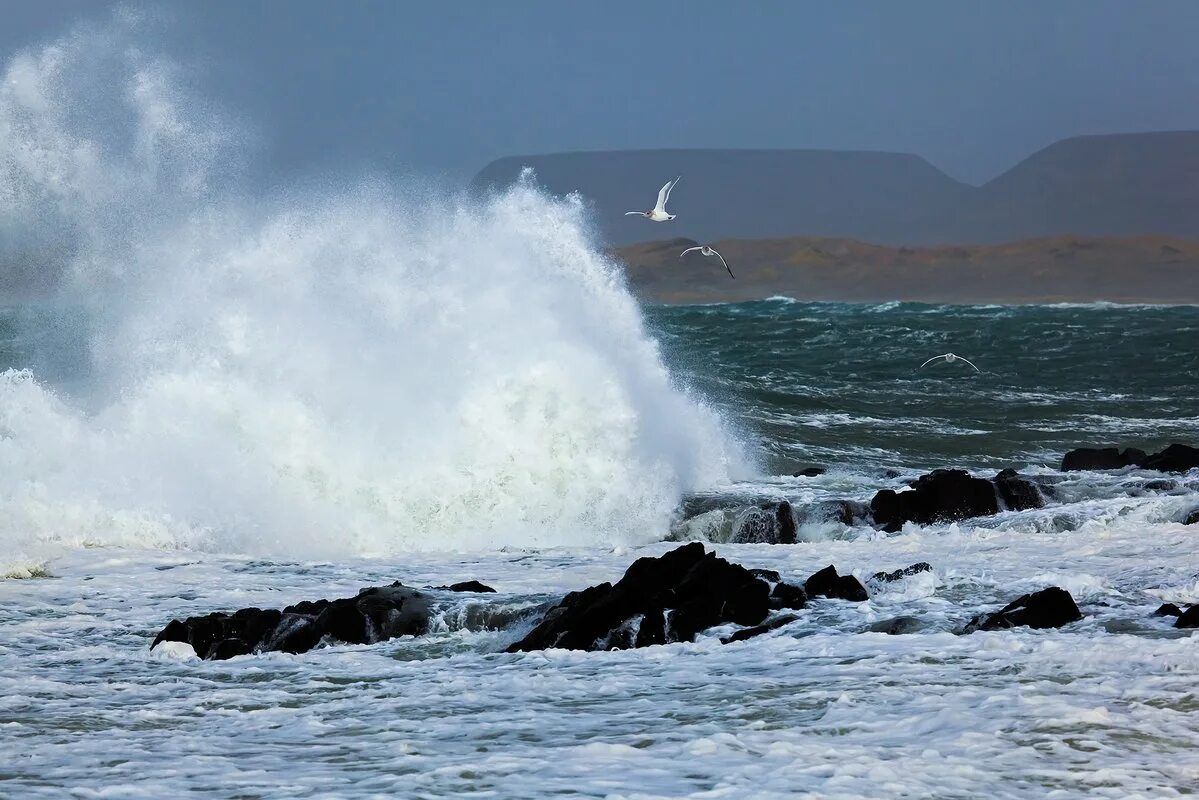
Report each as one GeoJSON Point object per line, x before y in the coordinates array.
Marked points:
{"type": "Point", "coordinates": [375, 615]}
{"type": "Point", "coordinates": [469, 586]}
{"type": "Point", "coordinates": [1188, 618]}
{"type": "Point", "coordinates": [758, 630]}
{"type": "Point", "coordinates": [1048, 608]}
{"type": "Point", "coordinates": [768, 575]}
{"type": "Point", "coordinates": [827, 583]}
{"type": "Point", "coordinates": [809, 472]}
{"type": "Point", "coordinates": [900, 574]}
{"type": "Point", "coordinates": [786, 595]}
{"type": "Point", "coordinates": [1191, 518]}
{"type": "Point", "coordinates": [1175, 458]}
{"type": "Point", "coordinates": [896, 626]}
{"type": "Point", "coordinates": [1016, 492]}
{"type": "Point", "coordinates": [942, 495]}
{"type": "Point", "coordinates": [1090, 458]}
{"type": "Point", "coordinates": [669, 598]}
{"type": "Point", "coordinates": [1168, 610]}
{"type": "Point", "coordinates": [772, 524]}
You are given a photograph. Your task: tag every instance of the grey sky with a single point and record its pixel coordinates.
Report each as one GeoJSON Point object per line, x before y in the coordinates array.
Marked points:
{"type": "Point", "coordinates": [446, 87]}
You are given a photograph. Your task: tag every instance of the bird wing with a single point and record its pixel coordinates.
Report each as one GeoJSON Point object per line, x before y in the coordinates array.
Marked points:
{"type": "Point", "coordinates": [968, 361]}
{"type": "Point", "coordinates": [689, 250]}
{"type": "Point", "coordinates": [664, 194]}
{"type": "Point", "coordinates": [931, 360]}
{"type": "Point", "coordinates": [722, 261]}
{"type": "Point", "coordinates": [637, 213]}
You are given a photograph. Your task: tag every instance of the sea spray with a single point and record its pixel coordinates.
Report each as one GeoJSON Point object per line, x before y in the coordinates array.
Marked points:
{"type": "Point", "coordinates": [355, 371]}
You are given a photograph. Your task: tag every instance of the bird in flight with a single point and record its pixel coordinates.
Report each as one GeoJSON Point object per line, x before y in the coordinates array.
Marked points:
{"type": "Point", "coordinates": [949, 359]}
{"type": "Point", "coordinates": [658, 213]}
{"type": "Point", "coordinates": [708, 251]}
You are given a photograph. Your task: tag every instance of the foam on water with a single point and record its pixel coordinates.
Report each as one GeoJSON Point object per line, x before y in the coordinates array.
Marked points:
{"type": "Point", "coordinates": [355, 371]}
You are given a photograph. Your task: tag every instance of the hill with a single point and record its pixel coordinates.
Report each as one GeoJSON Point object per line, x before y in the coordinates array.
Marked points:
{"type": "Point", "coordinates": [1118, 185]}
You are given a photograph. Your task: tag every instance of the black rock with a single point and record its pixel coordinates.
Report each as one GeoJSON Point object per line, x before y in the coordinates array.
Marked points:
{"type": "Point", "coordinates": [942, 495]}
{"type": "Point", "coordinates": [1048, 608]}
{"type": "Point", "coordinates": [1168, 610]}
{"type": "Point", "coordinates": [900, 574]}
{"type": "Point", "coordinates": [768, 575]}
{"type": "Point", "coordinates": [784, 517]}
{"type": "Point", "coordinates": [227, 648]}
{"type": "Point", "coordinates": [1188, 618]}
{"type": "Point", "coordinates": [1175, 458]}
{"type": "Point", "coordinates": [786, 595]}
{"type": "Point", "coordinates": [1091, 458]}
{"type": "Point", "coordinates": [827, 583]}
{"type": "Point", "coordinates": [344, 621]}
{"type": "Point", "coordinates": [669, 598]}
{"type": "Point", "coordinates": [1191, 518]}
{"type": "Point", "coordinates": [468, 586]}
{"type": "Point", "coordinates": [758, 630]}
{"type": "Point", "coordinates": [175, 631]}
{"type": "Point", "coordinates": [896, 626]}
{"type": "Point", "coordinates": [1016, 492]}
{"type": "Point", "coordinates": [809, 472]}
{"type": "Point", "coordinates": [771, 524]}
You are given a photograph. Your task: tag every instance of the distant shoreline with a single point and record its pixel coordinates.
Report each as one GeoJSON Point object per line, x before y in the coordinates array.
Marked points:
{"type": "Point", "coordinates": [1123, 270]}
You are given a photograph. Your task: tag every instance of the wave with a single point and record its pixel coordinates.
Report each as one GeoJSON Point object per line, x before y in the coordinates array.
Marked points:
{"type": "Point", "coordinates": [360, 371]}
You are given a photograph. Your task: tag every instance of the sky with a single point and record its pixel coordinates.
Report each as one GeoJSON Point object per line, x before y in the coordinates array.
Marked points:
{"type": "Point", "coordinates": [443, 88]}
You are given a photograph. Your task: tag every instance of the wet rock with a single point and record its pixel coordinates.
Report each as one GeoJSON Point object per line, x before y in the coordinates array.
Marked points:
{"type": "Point", "coordinates": [469, 586]}
{"type": "Point", "coordinates": [827, 583]}
{"type": "Point", "coordinates": [1175, 458]}
{"type": "Point", "coordinates": [786, 595]}
{"type": "Point", "coordinates": [1191, 518]}
{"type": "Point", "coordinates": [771, 524]}
{"type": "Point", "coordinates": [768, 575]}
{"type": "Point", "coordinates": [1092, 458]}
{"type": "Point", "coordinates": [809, 472]}
{"type": "Point", "coordinates": [896, 626]}
{"type": "Point", "coordinates": [375, 615]}
{"type": "Point", "coordinates": [669, 598]}
{"type": "Point", "coordinates": [900, 574]}
{"type": "Point", "coordinates": [1168, 610]}
{"type": "Point", "coordinates": [1048, 608]}
{"type": "Point", "coordinates": [758, 630]}
{"type": "Point", "coordinates": [943, 495]}
{"type": "Point", "coordinates": [1016, 492]}
{"type": "Point", "coordinates": [1188, 618]}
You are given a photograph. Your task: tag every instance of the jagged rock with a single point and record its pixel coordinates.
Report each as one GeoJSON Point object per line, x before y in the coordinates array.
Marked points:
{"type": "Point", "coordinates": [900, 574]}
{"type": "Point", "coordinates": [469, 586]}
{"type": "Point", "coordinates": [1188, 618]}
{"type": "Point", "coordinates": [1191, 518]}
{"type": "Point", "coordinates": [1016, 492]}
{"type": "Point", "coordinates": [1168, 610]}
{"type": "Point", "coordinates": [1092, 458]}
{"type": "Point", "coordinates": [1175, 458]}
{"type": "Point", "coordinates": [669, 598]}
{"type": "Point", "coordinates": [375, 615]}
{"type": "Point", "coordinates": [758, 630]}
{"type": "Point", "coordinates": [827, 583]}
{"type": "Point", "coordinates": [942, 495]}
{"type": "Point", "coordinates": [768, 525]}
{"type": "Point", "coordinates": [1048, 608]}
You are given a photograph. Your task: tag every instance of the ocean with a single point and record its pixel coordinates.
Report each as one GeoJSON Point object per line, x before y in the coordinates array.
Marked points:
{"type": "Point", "coordinates": [229, 400]}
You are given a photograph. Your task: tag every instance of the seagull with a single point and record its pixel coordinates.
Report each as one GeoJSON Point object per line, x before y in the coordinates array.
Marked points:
{"type": "Point", "coordinates": [708, 251]}
{"type": "Point", "coordinates": [658, 214]}
{"type": "Point", "coordinates": [949, 359]}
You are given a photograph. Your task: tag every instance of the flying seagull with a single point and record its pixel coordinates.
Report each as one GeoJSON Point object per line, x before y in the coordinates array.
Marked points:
{"type": "Point", "coordinates": [708, 251]}
{"type": "Point", "coordinates": [658, 214]}
{"type": "Point", "coordinates": [949, 359]}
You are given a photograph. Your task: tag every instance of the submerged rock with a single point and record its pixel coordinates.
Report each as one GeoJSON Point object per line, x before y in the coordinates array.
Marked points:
{"type": "Point", "coordinates": [1093, 458]}
{"type": "Point", "coordinates": [827, 583]}
{"type": "Point", "coordinates": [771, 524]}
{"type": "Point", "coordinates": [809, 472]}
{"type": "Point", "coordinates": [900, 574]}
{"type": "Point", "coordinates": [758, 630]}
{"type": "Point", "coordinates": [669, 598]}
{"type": "Point", "coordinates": [1048, 608]}
{"type": "Point", "coordinates": [896, 626]}
{"type": "Point", "coordinates": [1192, 518]}
{"type": "Point", "coordinates": [374, 615]}
{"type": "Point", "coordinates": [469, 586]}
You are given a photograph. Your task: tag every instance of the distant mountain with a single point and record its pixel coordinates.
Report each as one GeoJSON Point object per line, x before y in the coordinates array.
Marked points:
{"type": "Point", "coordinates": [1065, 268]}
{"type": "Point", "coordinates": [1094, 185]}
